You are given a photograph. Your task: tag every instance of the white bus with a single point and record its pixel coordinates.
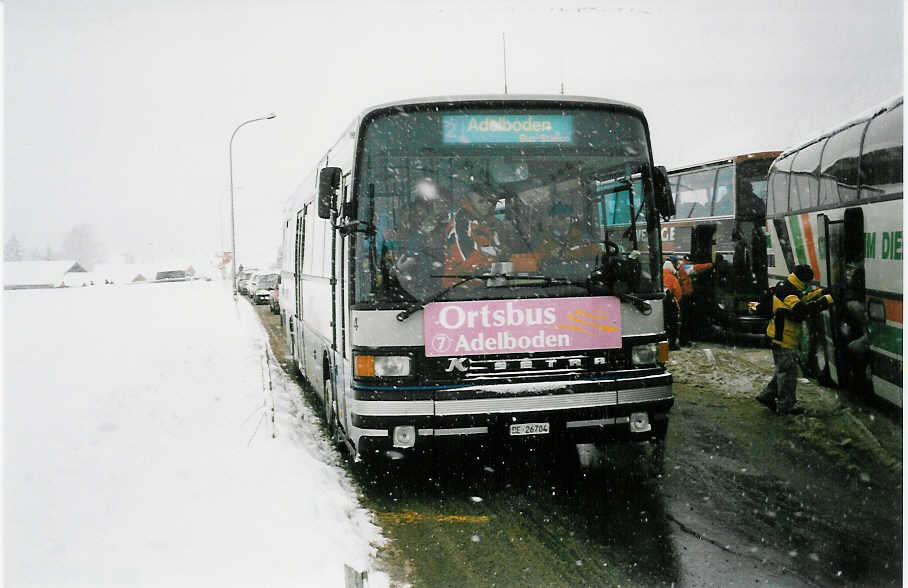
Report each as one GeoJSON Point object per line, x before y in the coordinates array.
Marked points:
{"type": "Point", "coordinates": [418, 318]}
{"type": "Point", "coordinates": [720, 212]}
{"type": "Point", "coordinates": [835, 203]}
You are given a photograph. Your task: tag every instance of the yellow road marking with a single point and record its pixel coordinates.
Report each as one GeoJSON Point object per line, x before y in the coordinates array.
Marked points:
{"type": "Point", "coordinates": [408, 516]}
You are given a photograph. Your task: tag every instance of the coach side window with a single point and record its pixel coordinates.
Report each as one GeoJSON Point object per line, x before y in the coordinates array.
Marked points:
{"type": "Point", "coordinates": [805, 185]}
{"type": "Point", "coordinates": [695, 193]}
{"type": "Point", "coordinates": [881, 162]}
{"type": "Point", "coordinates": [313, 251]}
{"type": "Point", "coordinates": [777, 198]}
{"type": "Point", "coordinates": [839, 169]}
{"type": "Point", "coordinates": [725, 195]}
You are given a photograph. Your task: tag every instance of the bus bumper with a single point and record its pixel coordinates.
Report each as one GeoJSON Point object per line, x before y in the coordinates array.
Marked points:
{"type": "Point", "coordinates": [578, 410]}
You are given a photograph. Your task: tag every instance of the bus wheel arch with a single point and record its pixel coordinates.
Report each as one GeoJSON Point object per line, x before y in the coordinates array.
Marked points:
{"type": "Point", "coordinates": [294, 358]}
{"type": "Point", "coordinates": [329, 400]}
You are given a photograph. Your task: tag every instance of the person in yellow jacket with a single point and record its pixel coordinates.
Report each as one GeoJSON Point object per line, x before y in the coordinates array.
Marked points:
{"type": "Point", "coordinates": [790, 306]}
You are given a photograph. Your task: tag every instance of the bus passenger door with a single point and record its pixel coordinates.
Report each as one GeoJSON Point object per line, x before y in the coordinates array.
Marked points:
{"type": "Point", "coordinates": [843, 327]}
{"type": "Point", "coordinates": [705, 295]}
{"type": "Point", "coordinates": [703, 248]}
{"type": "Point", "coordinates": [296, 334]}
{"type": "Point", "coordinates": [340, 278]}
{"type": "Point", "coordinates": [703, 243]}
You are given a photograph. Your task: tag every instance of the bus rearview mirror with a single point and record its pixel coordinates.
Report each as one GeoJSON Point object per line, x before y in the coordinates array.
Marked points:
{"type": "Point", "coordinates": [328, 183]}
{"type": "Point", "coordinates": [665, 202]}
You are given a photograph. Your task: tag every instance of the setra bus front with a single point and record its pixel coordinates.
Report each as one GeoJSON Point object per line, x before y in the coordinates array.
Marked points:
{"type": "Point", "coordinates": [505, 269]}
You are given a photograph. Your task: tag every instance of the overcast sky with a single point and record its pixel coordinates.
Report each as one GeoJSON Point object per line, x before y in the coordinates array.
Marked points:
{"type": "Point", "coordinates": [119, 114]}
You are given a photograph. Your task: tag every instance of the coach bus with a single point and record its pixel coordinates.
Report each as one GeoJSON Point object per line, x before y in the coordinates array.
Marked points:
{"type": "Point", "coordinates": [720, 209]}
{"type": "Point", "coordinates": [835, 203]}
{"type": "Point", "coordinates": [482, 267]}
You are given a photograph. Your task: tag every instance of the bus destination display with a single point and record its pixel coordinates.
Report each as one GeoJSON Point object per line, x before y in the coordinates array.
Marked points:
{"type": "Point", "coordinates": [469, 129]}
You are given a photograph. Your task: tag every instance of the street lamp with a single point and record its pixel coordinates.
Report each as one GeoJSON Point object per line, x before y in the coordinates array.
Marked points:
{"type": "Point", "coordinates": [232, 221]}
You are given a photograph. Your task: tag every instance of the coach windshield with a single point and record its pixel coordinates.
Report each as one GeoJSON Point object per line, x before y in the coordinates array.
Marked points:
{"type": "Point", "coordinates": [534, 201]}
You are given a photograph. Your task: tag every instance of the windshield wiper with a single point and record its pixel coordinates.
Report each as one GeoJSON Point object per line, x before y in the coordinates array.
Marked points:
{"type": "Point", "coordinates": [464, 278]}
{"type": "Point", "coordinates": [641, 305]}
{"type": "Point", "coordinates": [419, 304]}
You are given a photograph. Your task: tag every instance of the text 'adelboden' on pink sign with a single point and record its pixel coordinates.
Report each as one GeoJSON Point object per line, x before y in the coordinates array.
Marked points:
{"type": "Point", "coordinates": [522, 326]}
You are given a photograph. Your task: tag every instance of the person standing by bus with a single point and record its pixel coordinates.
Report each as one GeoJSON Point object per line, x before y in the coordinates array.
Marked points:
{"type": "Point", "coordinates": [790, 306]}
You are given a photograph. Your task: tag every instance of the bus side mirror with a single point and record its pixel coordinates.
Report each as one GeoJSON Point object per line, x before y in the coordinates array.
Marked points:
{"type": "Point", "coordinates": [665, 202]}
{"type": "Point", "coordinates": [328, 183]}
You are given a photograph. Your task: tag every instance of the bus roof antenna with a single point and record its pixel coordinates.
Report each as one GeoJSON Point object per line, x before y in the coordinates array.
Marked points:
{"type": "Point", "coordinates": [504, 53]}
{"type": "Point", "coordinates": [561, 73]}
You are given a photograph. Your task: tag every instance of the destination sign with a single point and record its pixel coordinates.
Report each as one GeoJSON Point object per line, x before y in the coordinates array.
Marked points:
{"type": "Point", "coordinates": [507, 128]}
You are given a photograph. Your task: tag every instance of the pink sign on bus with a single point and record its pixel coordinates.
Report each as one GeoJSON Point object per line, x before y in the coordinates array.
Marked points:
{"type": "Point", "coordinates": [522, 326]}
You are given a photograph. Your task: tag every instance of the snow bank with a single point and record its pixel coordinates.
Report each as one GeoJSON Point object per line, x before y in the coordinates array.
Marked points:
{"type": "Point", "coordinates": [140, 448]}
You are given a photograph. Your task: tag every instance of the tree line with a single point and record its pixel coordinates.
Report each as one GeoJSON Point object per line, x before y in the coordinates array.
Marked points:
{"type": "Point", "coordinates": [80, 244]}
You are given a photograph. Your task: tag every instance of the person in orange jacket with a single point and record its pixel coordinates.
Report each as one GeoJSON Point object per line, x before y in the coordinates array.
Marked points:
{"type": "Point", "coordinates": [671, 303]}
{"type": "Point", "coordinates": [472, 241]}
{"type": "Point", "coordinates": [564, 239]}
{"type": "Point", "coordinates": [475, 237]}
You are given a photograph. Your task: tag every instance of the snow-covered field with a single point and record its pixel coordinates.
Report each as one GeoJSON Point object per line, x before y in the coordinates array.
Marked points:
{"type": "Point", "coordinates": [139, 448]}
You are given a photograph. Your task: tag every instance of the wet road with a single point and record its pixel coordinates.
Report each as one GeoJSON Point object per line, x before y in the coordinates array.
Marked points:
{"type": "Point", "coordinates": [740, 497]}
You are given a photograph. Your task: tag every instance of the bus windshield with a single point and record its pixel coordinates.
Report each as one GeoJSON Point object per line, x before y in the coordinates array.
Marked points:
{"type": "Point", "coordinates": [535, 196]}
{"type": "Point", "coordinates": [751, 188]}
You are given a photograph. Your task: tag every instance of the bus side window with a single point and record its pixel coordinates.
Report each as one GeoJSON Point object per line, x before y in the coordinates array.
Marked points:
{"type": "Point", "coordinates": [314, 241]}
{"type": "Point", "coordinates": [695, 192]}
{"type": "Point", "coordinates": [805, 186]}
{"type": "Point", "coordinates": [840, 164]}
{"type": "Point", "coordinates": [725, 196]}
{"type": "Point", "coordinates": [778, 186]}
{"type": "Point", "coordinates": [881, 162]}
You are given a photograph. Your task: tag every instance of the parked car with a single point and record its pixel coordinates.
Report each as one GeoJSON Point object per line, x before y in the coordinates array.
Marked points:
{"type": "Point", "coordinates": [261, 293]}
{"type": "Point", "coordinates": [251, 285]}
{"type": "Point", "coordinates": [275, 301]}
{"type": "Point", "coordinates": [242, 281]}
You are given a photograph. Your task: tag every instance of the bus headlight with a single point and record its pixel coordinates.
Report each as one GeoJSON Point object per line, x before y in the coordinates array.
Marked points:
{"type": "Point", "coordinates": [645, 354]}
{"type": "Point", "coordinates": [382, 366]}
{"type": "Point", "coordinates": [404, 436]}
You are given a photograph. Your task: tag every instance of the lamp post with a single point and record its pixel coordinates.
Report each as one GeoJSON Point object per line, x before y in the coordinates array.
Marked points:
{"type": "Point", "coordinates": [232, 221]}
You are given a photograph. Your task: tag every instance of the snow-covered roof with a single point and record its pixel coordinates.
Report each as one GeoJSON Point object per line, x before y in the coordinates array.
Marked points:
{"type": "Point", "coordinates": [514, 98]}
{"type": "Point", "coordinates": [864, 116]}
{"type": "Point", "coordinates": [123, 273]}
{"type": "Point", "coordinates": [37, 274]}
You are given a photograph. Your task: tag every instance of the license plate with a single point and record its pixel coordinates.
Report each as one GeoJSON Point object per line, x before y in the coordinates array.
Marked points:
{"type": "Point", "coordinates": [530, 429]}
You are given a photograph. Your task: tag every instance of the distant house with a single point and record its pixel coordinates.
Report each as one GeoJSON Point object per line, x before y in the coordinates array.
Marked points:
{"type": "Point", "coordinates": [121, 273]}
{"type": "Point", "coordinates": [19, 275]}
